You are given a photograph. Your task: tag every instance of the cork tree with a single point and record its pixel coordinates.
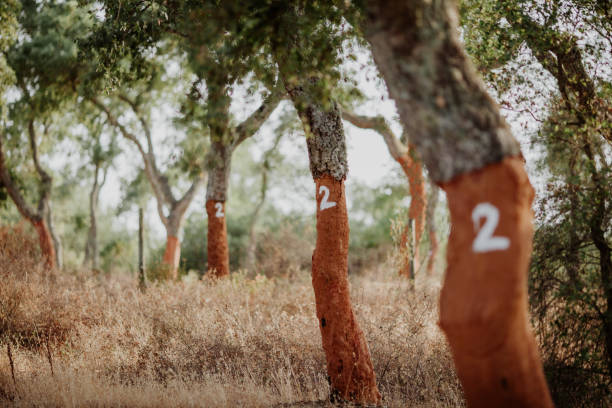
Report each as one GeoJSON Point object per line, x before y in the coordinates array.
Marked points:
{"type": "Point", "coordinates": [100, 152]}
{"type": "Point", "coordinates": [568, 43]}
{"type": "Point", "coordinates": [44, 64]}
{"type": "Point", "coordinates": [225, 137]}
{"type": "Point", "coordinates": [470, 152]}
{"type": "Point", "coordinates": [305, 42]}
{"type": "Point", "coordinates": [217, 63]}
{"type": "Point", "coordinates": [130, 111]}
{"type": "Point", "coordinates": [406, 157]}
{"type": "Point", "coordinates": [38, 214]}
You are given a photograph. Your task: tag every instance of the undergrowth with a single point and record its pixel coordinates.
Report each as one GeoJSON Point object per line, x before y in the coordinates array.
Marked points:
{"type": "Point", "coordinates": [76, 339]}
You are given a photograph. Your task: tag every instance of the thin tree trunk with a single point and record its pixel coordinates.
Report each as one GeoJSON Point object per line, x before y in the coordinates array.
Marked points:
{"type": "Point", "coordinates": [252, 245]}
{"type": "Point", "coordinates": [92, 256]}
{"type": "Point", "coordinates": [418, 204]}
{"type": "Point", "coordinates": [413, 170]}
{"type": "Point", "coordinates": [349, 366]}
{"type": "Point", "coordinates": [468, 149]}
{"type": "Point", "coordinates": [141, 272]}
{"type": "Point", "coordinates": [46, 242]}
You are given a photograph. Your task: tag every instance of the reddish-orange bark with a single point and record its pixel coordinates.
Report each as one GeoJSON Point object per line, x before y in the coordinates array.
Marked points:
{"type": "Point", "coordinates": [348, 358]}
{"type": "Point", "coordinates": [483, 304]}
{"type": "Point", "coordinates": [172, 256]}
{"type": "Point", "coordinates": [418, 202]}
{"type": "Point", "coordinates": [218, 251]}
{"type": "Point", "coordinates": [46, 243]}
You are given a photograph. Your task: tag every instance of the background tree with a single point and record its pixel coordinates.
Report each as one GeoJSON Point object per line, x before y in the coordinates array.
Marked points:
{"type": "Point", "coordinates": [102, 153]}
{"type": "Point", "coordinates": [141, 103]}
{"type": "Point", "coordinates": [412, 168]}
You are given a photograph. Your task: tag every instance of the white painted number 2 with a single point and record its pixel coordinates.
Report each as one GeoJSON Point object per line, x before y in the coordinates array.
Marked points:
{"type": "Point", "coordinates": [324, 203]}
{"type": "Point", "coordinates": [485, 241]}
{"type": "Point", "coordinates": [219, 213]}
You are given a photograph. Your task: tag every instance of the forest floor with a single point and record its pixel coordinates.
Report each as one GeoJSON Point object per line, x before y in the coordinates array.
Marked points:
{"type": "Point", "coordinates": [79, 339]}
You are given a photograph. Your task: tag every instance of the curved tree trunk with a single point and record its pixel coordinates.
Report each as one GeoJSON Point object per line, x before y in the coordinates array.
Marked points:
{"type": "Point", "coordinates": [263, 191]}
{"type": "Point", "coordinates": [469, 150]}
{"type": "Point", "coordinates": [92, 255]}
{"type": "Point", "coordinates": [349, 364]}
{"type": "Point", "coordinates": [418, 203]}
{"type": "Point", "coordinates": [46, 242]}
{"type": "Point", "coordinates": [413, 170]}
{"type": "Point", "coordinates": [39, 217]}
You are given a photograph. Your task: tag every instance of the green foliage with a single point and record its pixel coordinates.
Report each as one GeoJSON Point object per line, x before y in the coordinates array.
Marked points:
{"type": "Point", "coordinates": [8, 33]}
{"type": "Point", "coordinates": [569, 278]}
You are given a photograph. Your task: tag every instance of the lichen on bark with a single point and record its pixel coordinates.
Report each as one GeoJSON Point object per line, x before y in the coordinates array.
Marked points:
{"type": "Point", "coordinates": [453, 122]}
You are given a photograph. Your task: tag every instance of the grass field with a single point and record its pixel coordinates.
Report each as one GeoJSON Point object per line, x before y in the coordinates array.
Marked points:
{"type": "Point", "coordinates": [79, 339]}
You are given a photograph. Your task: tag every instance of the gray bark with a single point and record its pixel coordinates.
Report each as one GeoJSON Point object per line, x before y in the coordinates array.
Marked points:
{"type": "Point", "coordinates": [159, 182]}
{"type": "Point", "coordinates": [219, 162]}
{"type": "Point", "coordinates": [92, 255]}
{"type": "Point", "coordinates": [141, 272]}
{"type": "Point", "coordinates": [324, 131]}
{"type": "Point", "coordinates": [443, 104]}
{"type": "Point", "coordinates": [225, 139]}
{"type": "Point", "coordinates": [252, 245]}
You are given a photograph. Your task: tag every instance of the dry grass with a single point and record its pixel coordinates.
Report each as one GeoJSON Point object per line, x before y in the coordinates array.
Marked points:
{"type": "Point", "coordinates": [238, 342]}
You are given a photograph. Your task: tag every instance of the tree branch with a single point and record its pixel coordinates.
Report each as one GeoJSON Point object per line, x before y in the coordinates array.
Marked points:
{"type": "Point", "coordinates": [380, 125]}
{"type": "Point", "coordinates": [11, 188]}
{"type": "Point", "coordinates": [251, 125]}
{"type": "Point", "coordinates": [159, 184]}
{"type": "Point", "coordinates": [45, 178]}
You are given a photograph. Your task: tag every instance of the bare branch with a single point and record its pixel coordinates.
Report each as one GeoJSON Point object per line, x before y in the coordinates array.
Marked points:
{"type": "Point", "coordinates": [159, 184]}
{"type": "Point", "coordinates": [380, 125]}
{"type": "Point", "coordinates": [251, 125]}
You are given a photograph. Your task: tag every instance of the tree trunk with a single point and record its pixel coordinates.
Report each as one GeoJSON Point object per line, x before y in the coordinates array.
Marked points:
{"type": "Point", "coordinates": [46, 242]}
{"type": "Point", "coordinates": [418, 203]}
{"type": "Point", "coordinates": [252, 245]}
{"type": "Point", "coordinates": [349, 365]}
{"type": "Point", "coordinates": [219, 160]}
{"type": "Point", "coordinates": [57, 243]}
{"type": "Point", "coordinates": [141, 271]}
{"type": "Point", "coordinates": [92, 256]}
{"type": "Point", "coordinates": [172, 254]}
{"type": "Point", "coordinates": [469, 149]}
{"type": "Point", "coordinates": [483, 303]}
{"type": "Point", "coordinates": [218, 251]}
{"type": "Point", "coordinates": [432, 203]}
